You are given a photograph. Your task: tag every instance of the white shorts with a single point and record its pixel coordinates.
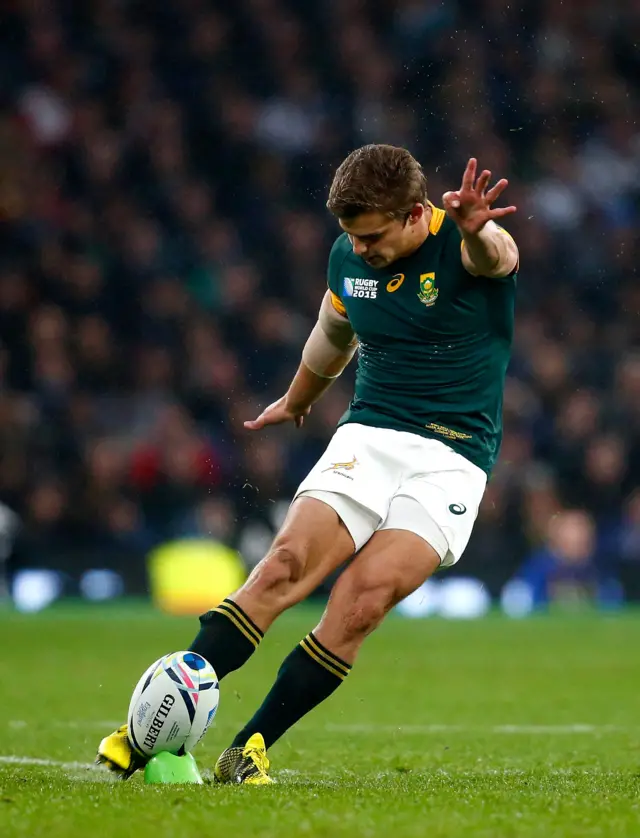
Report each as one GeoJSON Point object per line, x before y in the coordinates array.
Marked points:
{"type": "Point", "coordinates": [367, 474]}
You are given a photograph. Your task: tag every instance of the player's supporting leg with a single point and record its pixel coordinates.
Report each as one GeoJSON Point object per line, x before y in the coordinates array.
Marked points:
{"type": "Point", "coordinates": [311, 544]}
{"type": "Point", "coordinates": [387, 569]}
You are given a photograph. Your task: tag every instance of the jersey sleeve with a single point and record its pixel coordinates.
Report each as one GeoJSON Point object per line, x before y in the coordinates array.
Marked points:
{"type": "Point", "coordinates": [338, 254]}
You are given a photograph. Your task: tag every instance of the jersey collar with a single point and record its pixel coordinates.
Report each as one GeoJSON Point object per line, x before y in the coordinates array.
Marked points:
{"type": "Point", "coordinates": [437, 218]}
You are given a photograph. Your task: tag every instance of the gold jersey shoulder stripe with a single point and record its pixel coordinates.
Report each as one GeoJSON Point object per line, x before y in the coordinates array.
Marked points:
{"type": "Point", "coordinates": [337, 303]}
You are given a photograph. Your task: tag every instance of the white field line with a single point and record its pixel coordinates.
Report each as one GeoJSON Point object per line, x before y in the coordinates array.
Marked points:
{"type": "Point", "coordinates": [543, 730]}
{"type": "Point", "coordinates": [49, 763]}
{"type": "Point", "coordinates": [91, 724]}
{"type": "Point", "coordinates": [85, 771]}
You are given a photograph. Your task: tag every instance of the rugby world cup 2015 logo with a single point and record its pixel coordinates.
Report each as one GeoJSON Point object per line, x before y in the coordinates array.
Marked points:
{"type": "Point", "coordinates": [360, 286]}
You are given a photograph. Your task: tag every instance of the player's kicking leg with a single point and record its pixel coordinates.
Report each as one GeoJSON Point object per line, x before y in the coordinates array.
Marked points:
{"type": "Point", "coordinates": [312, 543]}
{"type": "Point", "coordinates": [388, 568]}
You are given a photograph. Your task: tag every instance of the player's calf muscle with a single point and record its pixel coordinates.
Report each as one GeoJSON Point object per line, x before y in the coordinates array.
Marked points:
{"type": "Point", "coordinates": [366, 612]}
{"type": "Point", "coordinates": [353, 613]}
{"type": "Point", "coordinates": [387, 570]}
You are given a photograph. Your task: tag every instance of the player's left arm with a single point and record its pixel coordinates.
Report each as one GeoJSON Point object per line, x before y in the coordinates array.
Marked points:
{"type": "Point", "coordinates": [487, 249]}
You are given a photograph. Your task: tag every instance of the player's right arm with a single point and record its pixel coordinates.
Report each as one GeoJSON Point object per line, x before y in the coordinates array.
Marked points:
{"type": "Point", "coordinates": [328, 350]}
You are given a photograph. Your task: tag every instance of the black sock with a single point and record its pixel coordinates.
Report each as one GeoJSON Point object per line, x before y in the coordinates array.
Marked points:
{"type": "Point", "coordinates": [227, 638]}
{"type": "Point", "coordinates": [307, 676]}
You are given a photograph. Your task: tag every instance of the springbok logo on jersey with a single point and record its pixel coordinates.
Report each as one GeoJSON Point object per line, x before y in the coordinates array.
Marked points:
{"type": "Point", "coordinates": [360, 286]}
{"type": "Point", "coordinates": [428, 293]}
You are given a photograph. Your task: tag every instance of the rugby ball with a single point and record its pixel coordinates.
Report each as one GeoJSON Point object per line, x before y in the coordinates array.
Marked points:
{"type": "Point", "coordinates": [173, 704]}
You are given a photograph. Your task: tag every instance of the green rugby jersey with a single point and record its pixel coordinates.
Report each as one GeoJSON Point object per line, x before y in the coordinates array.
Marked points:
{"type": "Point", "coordinates": [434, 342]}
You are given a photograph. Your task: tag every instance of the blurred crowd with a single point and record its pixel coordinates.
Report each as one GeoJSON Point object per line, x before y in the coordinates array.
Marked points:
{"type": "Point", "coordinates": [163, 243]}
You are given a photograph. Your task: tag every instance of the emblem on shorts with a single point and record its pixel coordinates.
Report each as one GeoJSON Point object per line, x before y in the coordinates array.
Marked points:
{"type": "Point", "coordinates": [428, 293]}
{"type": "Point", "coordinates": [339, 468]}
{"type": "Point", "coordinates": [457, 508]}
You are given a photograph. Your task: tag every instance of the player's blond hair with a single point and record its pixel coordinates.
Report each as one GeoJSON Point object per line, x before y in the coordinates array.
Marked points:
{"type": "Point", "coordinates": [377, 178]}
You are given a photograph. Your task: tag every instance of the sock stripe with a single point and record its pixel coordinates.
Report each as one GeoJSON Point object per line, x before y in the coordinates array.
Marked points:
{"type": "Point", "coordinates": [238, 625]}
{"type": "Point", "coordinates": [246, 619]}
{"type": "Point", "coordinates": [322, 662]}
{"type": "Point", "coordinates": [329, 656]}
{"type": "Point", "coordinates": [328, 665]}
{"type": "Point", "coordinates": [229, 607]}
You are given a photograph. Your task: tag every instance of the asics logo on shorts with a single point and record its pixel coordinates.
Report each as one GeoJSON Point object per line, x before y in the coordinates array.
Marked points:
{"type": "Point", "coordinates": [457, 508]}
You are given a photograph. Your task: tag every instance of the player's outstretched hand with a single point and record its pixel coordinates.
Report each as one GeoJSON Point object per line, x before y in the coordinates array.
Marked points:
{"type": "Point", "coordinates": [276, 414]}
{"type": "Point", "coordinates": [470, 206]}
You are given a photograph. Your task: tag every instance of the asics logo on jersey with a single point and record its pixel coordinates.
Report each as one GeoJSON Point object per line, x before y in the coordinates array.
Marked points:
{"type": "Point", "coordinates": [360, 286]}
{"type": "Point", "coordinates": [395, 283]}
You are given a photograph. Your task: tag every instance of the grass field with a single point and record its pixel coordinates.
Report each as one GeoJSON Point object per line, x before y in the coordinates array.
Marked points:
{"type": "Point", "coordinates": [494, 728]}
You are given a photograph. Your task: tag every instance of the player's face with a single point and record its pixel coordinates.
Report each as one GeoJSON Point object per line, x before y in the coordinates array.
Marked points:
{"type": "Point", "coordinates": [380, 240]}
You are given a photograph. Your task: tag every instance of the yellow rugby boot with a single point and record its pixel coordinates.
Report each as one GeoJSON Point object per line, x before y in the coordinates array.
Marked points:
{"type": "Point", "coordinates": [248, 765]}
{"type": "Point", "coordinates": [116, 753]}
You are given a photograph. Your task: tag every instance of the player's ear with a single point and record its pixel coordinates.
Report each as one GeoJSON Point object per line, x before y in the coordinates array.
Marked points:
{"type": "Point", "coordinates": [415, 214]}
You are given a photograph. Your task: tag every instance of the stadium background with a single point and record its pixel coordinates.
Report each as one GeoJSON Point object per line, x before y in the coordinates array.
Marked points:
{"type": "Point", "coordinates": [163, 242]}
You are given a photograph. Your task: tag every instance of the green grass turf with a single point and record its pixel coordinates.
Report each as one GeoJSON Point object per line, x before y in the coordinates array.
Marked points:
{"type": "Point", "coordinates": [372, 761]}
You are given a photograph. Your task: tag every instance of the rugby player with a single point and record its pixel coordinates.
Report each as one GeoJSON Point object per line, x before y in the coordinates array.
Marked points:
{"type": "Point", "coordinates": [426, 297]}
